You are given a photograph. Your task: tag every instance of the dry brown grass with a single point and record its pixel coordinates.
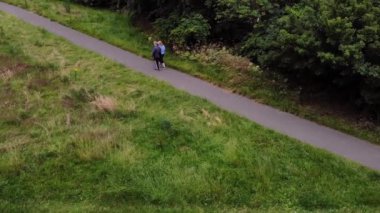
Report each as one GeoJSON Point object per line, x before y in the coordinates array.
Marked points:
{"type": "Point", "coordinates": [213, 119]}
{"type": "Point", "coordinates": [14, 143]}
{"type": "Point", "coordinates": [95, 144]}
{"type": "Point", "coordinates": [104, 103]}
{"type": "Point", "coordinates": [214, 54]}
{"type": "Point", "coordinates": [185, 116]}
{"type": "Point", "coordinates": [9, 67]}
{"type": "Point", "coordinates": [38, 82]}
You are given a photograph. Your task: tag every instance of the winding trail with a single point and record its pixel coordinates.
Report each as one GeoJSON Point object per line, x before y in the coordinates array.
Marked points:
{"type": "Point", "coordinates": [349, 147]}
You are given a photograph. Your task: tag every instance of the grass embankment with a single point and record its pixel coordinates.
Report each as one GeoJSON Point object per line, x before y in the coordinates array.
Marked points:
{"type": "Point", "coordinates": [156, 149]}
{"type": "Point", "coordinates": [117, 29]}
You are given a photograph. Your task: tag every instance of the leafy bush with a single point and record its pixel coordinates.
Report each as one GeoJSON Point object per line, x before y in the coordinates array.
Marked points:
{"type": "Point", "coordinates": [164, 26]}
{"type": "Point", "coordinates": [188, 31]}
{"type": "Point", "coordinates": [332, 44]}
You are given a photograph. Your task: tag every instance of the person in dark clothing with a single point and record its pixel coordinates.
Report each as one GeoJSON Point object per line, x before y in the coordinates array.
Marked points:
{"type": "Point", "coordinates": [156, 54]}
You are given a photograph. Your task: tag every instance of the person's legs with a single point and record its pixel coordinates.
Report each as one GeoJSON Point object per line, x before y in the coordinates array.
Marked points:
{"type": "Point", "coordinates": [162, 61]}
{"type": "Point", "coordinates": [158, 63]}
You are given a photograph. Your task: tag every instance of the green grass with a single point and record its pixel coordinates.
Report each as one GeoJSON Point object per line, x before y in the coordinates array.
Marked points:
{"type": "Point", "coordinates": [117, 29]}
{"type": "Point", "coordinates": [159, 150]}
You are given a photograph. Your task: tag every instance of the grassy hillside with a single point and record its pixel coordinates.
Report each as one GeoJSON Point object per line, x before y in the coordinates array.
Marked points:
{"type": "Point", "coordinates": [117, 29]}
{"type": "Point", "coordinates": [81, 133]}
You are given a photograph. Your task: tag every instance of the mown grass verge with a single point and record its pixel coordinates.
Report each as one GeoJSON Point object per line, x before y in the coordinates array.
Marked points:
{"type": "Point", "coordinates": [117, 29]}
{"type": "Point", "coordinates": [153, 148]}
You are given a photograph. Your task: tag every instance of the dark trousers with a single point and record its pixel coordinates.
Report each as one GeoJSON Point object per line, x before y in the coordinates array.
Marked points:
{"type": "Point", "coordinates": [158, 60]}
{"type": "Point", "coordinates": [162, 58]}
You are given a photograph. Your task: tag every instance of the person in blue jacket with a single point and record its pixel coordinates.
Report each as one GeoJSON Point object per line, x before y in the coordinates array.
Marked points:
{"type": "Point", "coordinates": [163, 51]}
{"type": "Point", "coordinates": [156, 54]}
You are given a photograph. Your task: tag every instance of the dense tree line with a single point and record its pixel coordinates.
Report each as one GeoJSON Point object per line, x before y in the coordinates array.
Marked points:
{"type": "Point", "coordinates": [333, 45]}
{"type": "Point", "coordinates": [324, 46]}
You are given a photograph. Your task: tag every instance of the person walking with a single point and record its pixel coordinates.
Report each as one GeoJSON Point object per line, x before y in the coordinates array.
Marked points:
{"type": "Point", "coordinates": [163, 51]}
{"type": "Point", "coordinates": [156, 54]}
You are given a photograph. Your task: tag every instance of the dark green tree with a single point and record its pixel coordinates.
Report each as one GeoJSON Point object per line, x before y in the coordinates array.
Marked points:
{"type": "Point", "coordinates": [331, 43]}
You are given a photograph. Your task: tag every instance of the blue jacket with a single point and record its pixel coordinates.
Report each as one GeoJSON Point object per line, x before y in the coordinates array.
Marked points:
{"type": "Point", "coordinates": [163, 49]}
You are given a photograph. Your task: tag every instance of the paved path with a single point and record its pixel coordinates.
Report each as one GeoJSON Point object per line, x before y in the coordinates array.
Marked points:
{"type": "Point", "coordinates": [308, 132]}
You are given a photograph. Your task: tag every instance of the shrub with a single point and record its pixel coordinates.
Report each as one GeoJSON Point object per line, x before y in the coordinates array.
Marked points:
{"type": "Point", "coordinates": [332, 44]}
{"type": "Point", "coordinates": [192, 30]}
{"type": "Point", "coordinates": [186, 32]}
{"type": "Point", "coordinates": [163, 26]}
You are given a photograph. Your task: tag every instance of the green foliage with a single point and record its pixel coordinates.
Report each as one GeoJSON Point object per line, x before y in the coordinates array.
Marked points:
{"type": "Point", "coordinates": [190, 31]}
{"type": "Point", "coordinates": [67, 6]}
{"type": "Point", "coordinates": [247, 13]}
{"type": "Point", "coordinates": [223, 16]}
{"type": "Point", "coordinates": [335, 43]}
{"type": "Point", "coordinates": [183, 32]}
{"type": "Point", "coordinates": [164, 26]}
{"type": "Point", "coordinates": [98, 3]}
